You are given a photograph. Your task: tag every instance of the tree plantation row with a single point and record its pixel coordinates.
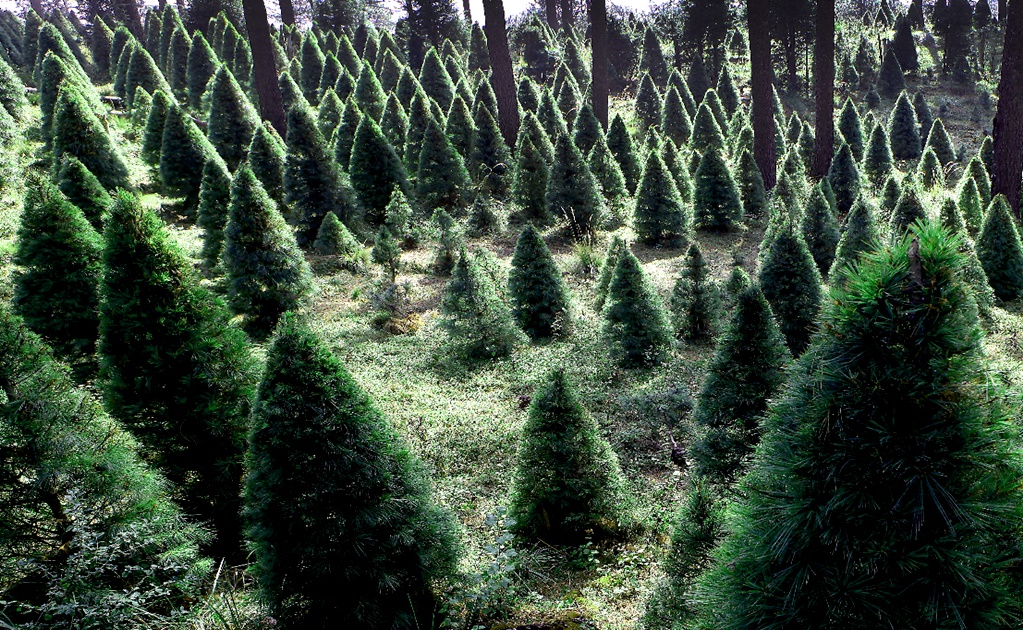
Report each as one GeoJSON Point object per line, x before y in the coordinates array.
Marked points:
{"type": "Point", "coordinates": [701, 318]}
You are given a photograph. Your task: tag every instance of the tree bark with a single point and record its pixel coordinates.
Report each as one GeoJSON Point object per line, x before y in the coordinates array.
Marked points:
{"type": "Point", "coordinates": [271, 104]}
{"type": "Point", "coordinates": [37, 6]}
{"type": "Point", "coordinates": [567, 18]}
{"type": "Point", "coordinates": [824, 89]}
{"type": "Point", "coordinates": [1007, 171]}
{"type": "Point", "coordinates": [598, 36]}
{"type": "Point", "coordinates": [468, 11]}
{"type": "Point", "coordinates": [1002, 10]}
{"type": "Point", "coordinates": [758, 16]}
{"type": "Point", "coordinates": [287, 12]}
{"type": "Point", "coordinates": [502, 78]}
{"type": "Point", "coordinates": [551, 11]}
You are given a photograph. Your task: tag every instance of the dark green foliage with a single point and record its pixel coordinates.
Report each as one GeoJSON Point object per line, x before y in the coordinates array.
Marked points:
{"type": "Point", "coordinates": [394, 124]}
{"type": "Point", "coordinates": [266, 158]}
{"type": "Point", "coordinates": [568, 100]}
{"type": "Point", "coordinates": [877, 162]}
{"type": "Point", "coordinates": [450, 242]}
{"type": "Point", "coordinates": [267, 275]}
{"type": "Point", "coordinates": [572, 191]}
{"type": "Point", "coordinates": [890, 196]}
{"type": "Point", "coordinates": [368, 507]}
{"type": "Point", "coordinates": [77, 132]}
{"type": "Point", "coordinates": [726, 90]}
{"type": "Point", "coordinates": [459, 126]}
{"type": "Point", "coordinates": [344, 135]}
{"type": "Point", "coordinates": [30, 42]}
{"type": "Point", "coordinates": [479, 323]}
{"type": "Point", "coordinates": [334, 239]}
{"type": "Point", "coordinates": [51, 78]}
{"type": "Point", "coordinates": [908, 210]}
{"type": "Point", "coordinates": [860, 234]}
{"type": "Point", "coordinates": [442, 180]}
{"type": "Point", "coordinates": [747, 370]}
{"type": "Point", "coordinates": [540, 301]}
{"type": "Point", "coordinates": [375, 170]}
{"type": "Point", "coordinates": [368, 93]}
{"type": "Point", "coordinates": [172, 367]}
{"type": "Point", "coordinates": [923, 114]}
{"type": "Point", "coordinates": [904, 47]}
{"type": "Point", "coordinates": [717, 203]}
{"type": "Point", "coordinates": [904, 130]}
{"type": "Point", "coordinates": [328, 114]}
{"type": "Point", "coordinates": [791, 283]}
{"type": "Point", "coordinates": [699, 526]}
{"type": "Point", "coordinates": [697, 79]}
{"type": "Point", "coordinates": [1000, 251]}
{"type": "Point", "coordinates": [987, 152]}
{"type": "Point", "coordinates": [57, 280]}
{"type": "Point", "coordinates": [820, 230]}
{"type": "Point", "coordinates": [675, 123]}
{"type": "Point", "coordinates": [659, 213]}
{"type": "Point", "coordinates": [143, 72]}
{"type": "Point", "coordinates": [939, 142]}
{"type": "Point", "coordinates": [890, 79]}
{"type": "Point", "coordinates": [929, 171]}
{"type": "Point", "coordinates": [436, 81]}
{"type": "Point", "coordinates": [619, 141]}
{"type": "Point", "coordinates": [88, 531]}
{"type": "Point", "coordinates": [652, 58]}
{"type": "Point", "coordinates": [177, 63]}
{"type": "Point", "coordinates": [970, 204]}
{"type": "Point", "coordinates": [122, 38]}
{"type": "Point", "coordinates": [214, 208]}
{"type": "Point", "coordinates": [891, 514]}
{"type": "Point", "coordinates": [634, 328]}
{"type": "Point", "coordinates": [152, 135]}
{"type": "Point", "coordinates": [751, 186]}
{"type": "Point", "coordinates": [183, 155]}
{"type": "Point", "coordinates": [873, 99]}
{"type": "Point", "coordinates": [530, 180]}
{"type": "Point", "coordinates": [567, 483]}
{"type": "Point", "coordinates": [201, 65]}
{"type": "Point", "coordinates": [706, 130]}
{"type": "Point", "coordinates": [647, 107]}
{"type": "Point", "coordinates": [291, 94]}
{"type": "Point", "coordinates": [331, 72]}
{"type": "Point", "coordinates": [550, 116]}
{"type": "Point", "coordinates": [851, 126]}
{"type": "Point", "coordinates": [12, 91]}
{"type": "Point", "coordinates": [607, 270]}
{"type": "Point", "coordinates": [490, 160]}
{"type": "Point", "coordinates": [312, 182]}
{"type": "Point", "coordinates": [695, 302]}
{"type": "Point", "coordinates": [386, 252]}
{"type": "Point", "coordinates": [976, 170]}
{"type": "Point", "coordinates": [607, 172]}
{"type": "Point", "coordinates": [586, 129]}
{"type": "Point", "coordinates": [232, 119]}
{"type": "Point", "coordinates": [844, 179]}
{"type": "Point", "coordinates": [312, 67]}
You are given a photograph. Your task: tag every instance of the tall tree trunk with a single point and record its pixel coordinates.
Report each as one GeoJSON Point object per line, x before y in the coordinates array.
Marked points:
{"type": "Point", "coordinates": [598, 35]}
{"type": "Point", "coordinates": [824, 89]}
{"type": "Point", "coordinates": [271, 104]}
{"type": "Point", "coordinates": [127, 11]}
{"type": "Point", "coordinates": [467, 10]}
{"type": "Point", "coordinates": [758, 16]}
{"type": "Point", "coordinates": [1007, 171]}
{"type": "Point", "coordinates": [551, 11]}
{"type": "Point", "coordinates": [567, 18]}
{"type": "Point", "coordinates": [37, 6]}
{"type": "Point", "coordinates": [792, 61]}
{"type": "Point", "coordinates": [1002, 11]}
{"type": "Point", "coordinates": [502, 79]}
{"type": "Point", "coordinates": [287, 12]}
{"type": "Point", "coordinates": [162, 4]}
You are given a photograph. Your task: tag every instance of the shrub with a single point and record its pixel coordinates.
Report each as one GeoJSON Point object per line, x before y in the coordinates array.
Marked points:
{"type": "Point", "coordinates": [372, 513]}
{"type": "Point", "coordinates": [659, 213]}
{"type": "Point", "coordinates": [183, 156]}
{"type": "Point", "coordinates": [695, 302]}
{"type": "Point", "coordinates": [540, 301]}
{"type": "Point", "coordinates": [214, 209]}
{"type": "Point", "coordinates": [84, 190]}
{"type": "Point", "coordinates": [1000, 251]}
{"type": "Point", "coordinates": [792, 285]}
{"type": "Point", "coordinates": [634, 328]}
{"type": "Point", "coordinates": [478, 321]}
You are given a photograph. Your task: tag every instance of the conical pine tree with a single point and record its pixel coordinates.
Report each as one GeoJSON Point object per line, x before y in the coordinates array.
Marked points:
{"type": "Point", "coordinates": [567, 482]}
{"type": "Point", "coordinates": [232, 119]}
{"type": "Point", "coordinates": [607, 172]}
{"type": "Point", "coordinates": [78, 133]}
{"type": "Point", "coordinates": [970, 205]}
{"type": "Point", "coordinates": [706, 130]}
{"type": "Point", "coordinates": [442, 180]}
{"type": "Point", "coordinates": [530, 181]}
{"type": "Point", "coordinates": [490, 160]}
{"type": "Point", "coordinates": [475, 317]}
{"type": "Point", "coordinates": [675, 123]}
{"type": "Point", "coordinates": [84, 190]}
{"type": "Point", "coordinates": [266, 158]}
{"type": "Point", "coordinates": [620, 142]}
{"type": "Point", "coordinates": [572, 191]}
{"type": "Point", "coordinates": [659, 213]}
{"type": "Point", "coordinates": [751, 186]}
{"type": "Point", "coordinates": [904, 130]}
{"type": "Point", "coordinates": [201, 66]}
{"type": "Point", "coordinates": [372, 511]}
{"type": "Point", "coordinates": [860, 235]}
{"type": "Point", "coordinates": [1000, 251]}
{"type": "Point", "coordinates": [695, 303]}
{"type": "Point", "coordinates": [183, 155]}
{"type": "Point", "coordinates": [792, 285]}
{"type": "Point", "coordinates": [939, 142]}
{"type": "Point", "coordinates": [908, 210]}
{"type": "Point", "coordinates": [152, 136]}
{"type": "Point", "coordinates": [877, 160]}
{"type": "Point", "coordinates": [436, 81]}
{"type": "Point", "coordinates": [540, 301]}
{"type": "Point", "coordinates": [717, 203]}
{"type": "Point", "coordinates": [851, 127]}
{"type": "Point", "coordinates": [634, 328]}
{"type": "Point", "coordinates": [375, 170]}
{"type": "Point", "coordinates": [820, 230]}
{"type": "Point", "coordinates": [214, 208]}
{"type": "Point", "coordinates": [844, 178]}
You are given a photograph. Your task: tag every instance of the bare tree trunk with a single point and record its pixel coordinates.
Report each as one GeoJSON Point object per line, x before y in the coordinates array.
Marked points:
{"type": "Point", "coordinates": [287, 12]}
{"type": "Point", "coordinates": [502, 79]}
{"type": "Point", "coordinates": [1007, 171]}
{"type": "Point", "coordinates": [551, 11]}
{"type": "Point", "coordinates": [271, 104]}
{"type": "Point", "coordinates": [37, 6]}
{"type": "Point", "coordinates": [598, 35]}
{"type": "Point", "coordinates": [824, 89]}
{"type": "Point", "coordinates": [760, 69]}
{"type": "Point", "coordinates": [1002, 11]}
{"type": "Point", "coordinates": [567, 18]}
{"type": "Point", "coordinates": [162, 4]}
{"type": "Point", "coordinates": [467, 10]}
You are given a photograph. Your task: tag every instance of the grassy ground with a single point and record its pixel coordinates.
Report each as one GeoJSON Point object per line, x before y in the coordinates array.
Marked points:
{"type": "Point", "coordinates": [464, 420]}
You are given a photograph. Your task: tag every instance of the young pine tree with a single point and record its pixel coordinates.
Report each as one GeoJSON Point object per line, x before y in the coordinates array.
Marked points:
{"type": "Point", "coordinates": [442, 181]}
{"type": "Point", "coordinates": [176, 373]}
{"type": "Point", "coordinates": [572, 191]}
{"type": "Point", "coordinates": [232, 119]}
{"type": "Point", "coordinates": [904, 130]}
{"type": "Point", "coordinates": [717, 203]}
{"type": "Point", "coordinates": [183, 155]}
{"type": "Point", "coordinates": [620, 142]}
{"type": "Point", "coordinates": [368, 509]}
{"type": "Point", "coordinates": [695, 302]}
{"type": "Point", "coordinates": [607, 271]}
{"type": "Point", "coordinates": [844, 179]}
{"type": "Point", "coordinates": [634, 328]}
{"type": "Point", "coordinates": [531, 175]}
{"type": "Point", "coordinates": [860, 235]}
{"type": "Point", "coordinates": [214, 208]}
{"type": "Point", "coordinates": [659, 213]}
{"type": "Point", "coordinates": [476, 318]}
{"type": "Point", "coordinates": [746, 371]}
{"type": "Point", "coordinates": [490, 159]}
{"type": "Point", "coordinates": [77, 132]}
{"type": "Point", "coordinates": [84, 190]}
{"type": "Point", "coordinates": [819, 228]}
{"type": "Point", "coordinates": [890, 514]}
{"type": "Point", "coordinates": [375, 170]}
{"type": "Point", "coordinates": [335, 240]}
{"type": "Point", "coordinates": [792, 285]}
{"type": "Point", "coordinates": [567, 482]}
{"type": "Point", "coordinates": [877, 161]}
{"type": "Point", "coordinates": [751, 185]}
{"type": "Point", "coordinates": [540, 301]}
{"type": "Point", "coordinates": [908, 210]}
{"type": "Point", "coordinates": [1000, 251]}
{"type": "Point", "coordinates": [152, 136]}
{"type": "Point", "coordinates": [58, 269]}
{"type": "Point", "coordinates": [266, 157]}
